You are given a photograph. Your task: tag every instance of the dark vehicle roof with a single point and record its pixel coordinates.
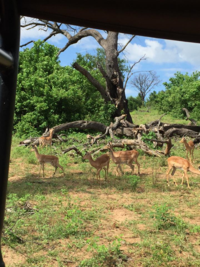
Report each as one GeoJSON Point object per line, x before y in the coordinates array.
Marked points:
{"type": "Point", "coordinates": [170, 19]}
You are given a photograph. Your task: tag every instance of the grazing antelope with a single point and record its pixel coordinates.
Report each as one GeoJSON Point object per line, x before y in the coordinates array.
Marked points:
{"type": "Point", "coordinates": [189, 148]}
{"type": "Point", "coordinates": [100, 163]}
{"type": "Point", "coordinates": [53, 160]}
{"type": "Point", "coordinates": [124, 157]}
{"type": "Point", "coordinates": [174, 163]}
{"type": "Point", "coordinates": [46, 140]}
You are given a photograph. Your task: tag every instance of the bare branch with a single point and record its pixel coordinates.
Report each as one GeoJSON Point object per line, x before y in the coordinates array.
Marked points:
{"type": "Point", "coordinates": [27, 43]}
{"type": "Point", "coordinates": [126, 45]}
{"type": "Point", "coordinates": [193, 122]}
{"type": "Point", "coordinates": [99, 87]}
{"type": "Point", "coordinates": [129, 73]}
{"type": "Point", "coordinates": [82, 34]}
{"type": "Point", "coordinates": [108, 81]}
{"type": "Point", "coordinates": [144, 83]}
{"type": "Point", "coordinates": [53, 33]}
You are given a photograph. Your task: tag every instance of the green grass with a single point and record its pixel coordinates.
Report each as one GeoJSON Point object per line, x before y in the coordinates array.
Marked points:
{"type": "Point", "coordinates": [75, 220]}
{"type": "Point", "coordinates": [147, 117]}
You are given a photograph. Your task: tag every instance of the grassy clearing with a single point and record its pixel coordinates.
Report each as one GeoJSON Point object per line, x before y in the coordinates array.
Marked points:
{"type": "Point", "coordinates": [146, 117]}
{"type": "Point", "coordinates": [74, 220]}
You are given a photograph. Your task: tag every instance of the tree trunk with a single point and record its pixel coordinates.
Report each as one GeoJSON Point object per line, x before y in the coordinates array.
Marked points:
{"type": "Point", "coordinates": [115, 88]}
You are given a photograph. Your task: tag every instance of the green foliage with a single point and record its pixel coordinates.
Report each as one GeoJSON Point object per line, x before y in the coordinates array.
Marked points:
{"type": "Point", "coordinates": [44, 96]}
{"type": "Point", "coordinates": [100, 57]}
{"type": "Point", "coordinates": [134, 102]}
{"type": "Point", "coordinates": [166, 220]}
{"type": "Point", "coordinates": [105, 256]}
{"type": "Point", "coordinates": [182, 91]}
{"type": "Point", "coordinates": [162, 253]}
{"type": "Point", "coordinates": [133, 181]}
{"type": "Point", "coordinates": [150, 135]}
{"type": "Point", "coordinates": [49, 94]}
{"type": "Point", "coordinates": [152, 100]}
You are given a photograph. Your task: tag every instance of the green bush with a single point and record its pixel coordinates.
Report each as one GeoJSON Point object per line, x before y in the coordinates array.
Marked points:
{"type": "Point", "coordinates": [164, 219]}
{"type": "Point", "coordinates": [133, 181]}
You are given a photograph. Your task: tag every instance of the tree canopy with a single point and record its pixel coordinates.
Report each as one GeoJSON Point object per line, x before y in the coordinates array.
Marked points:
{"type": "Point", "coordinates": [49, 94]}
{"type": "Point", "coordinates": [182, 91]}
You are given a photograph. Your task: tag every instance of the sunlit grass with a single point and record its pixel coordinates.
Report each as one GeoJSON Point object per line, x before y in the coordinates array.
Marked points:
{"type": "Point", "coordinates": [76, 220]}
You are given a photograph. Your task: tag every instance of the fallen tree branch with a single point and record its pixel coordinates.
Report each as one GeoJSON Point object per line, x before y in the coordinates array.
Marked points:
{"type": "Point", "coordinates": [193, 122]}
{"type": "Point", "coordinates": [72, 148]}
{"type": "Point", "coordinates": [180, 132]}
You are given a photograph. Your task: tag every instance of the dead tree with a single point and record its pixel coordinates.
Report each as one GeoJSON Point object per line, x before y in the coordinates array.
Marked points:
{"type": "Point", "coordinates": [145, 82]}
{"type": "Point", "coordinates": [114, 91]}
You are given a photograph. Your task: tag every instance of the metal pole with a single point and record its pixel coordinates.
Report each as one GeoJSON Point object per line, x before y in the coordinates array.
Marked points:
{"type": "Point", "coordinates": [9, 42]}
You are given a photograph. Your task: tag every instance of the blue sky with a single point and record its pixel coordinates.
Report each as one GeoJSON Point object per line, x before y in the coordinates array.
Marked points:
{"type": "Point", "coordinates": [166, 57]}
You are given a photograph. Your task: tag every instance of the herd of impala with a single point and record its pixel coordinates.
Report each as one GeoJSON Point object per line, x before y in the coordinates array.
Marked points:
{"type": "Point", "coordinates": [121, 157]}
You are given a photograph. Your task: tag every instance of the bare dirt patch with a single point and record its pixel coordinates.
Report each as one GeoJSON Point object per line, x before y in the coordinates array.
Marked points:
{"type": "Point", "coordinates": [12, 257]}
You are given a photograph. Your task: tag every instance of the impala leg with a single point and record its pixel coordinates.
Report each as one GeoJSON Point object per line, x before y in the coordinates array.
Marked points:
{"type": "Point", "coordinates": [187, 179]}
{"type": "Point", "coordinates": [192, 154]}
{"type": "Point", "coordinates": [40, 169]}
{"type": "Point", "coordinates": [98, 175]}
{"type": "Point", "coordinates": [132, 167]}
{"type": "Point", "coordinates": [172, 174]}
{"type": "Point", "coordinates": [55, 170]}
{"type": "Point", "coordinates": [43, 169]}
{"type": "Point", "coordinates": [183, 178]}
{"type": "Point", "coordinates": [138, 165]}
{"type": "Point", "coordinates": [120, 169]}
{"type": "Point", "coordinates": [105, 169]}
{"type": "Point", "coordinates": [61, 168]}
{"type": "Point", "coordinates": [167, 175]}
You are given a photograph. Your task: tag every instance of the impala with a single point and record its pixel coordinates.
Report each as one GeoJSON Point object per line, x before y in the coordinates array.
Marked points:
{"type": "Point", "coordinates": [46, 140]}
{"type": "Point", "coordinates": [174, 163]}
{"type": "Point", "coordinates": [100, 163]}
{"type": "Point", "coordinates": [189, 148]}
{"type": "Point", "coordinates": [124, 157]}
{"type": "Point", "coordinates": [53, 160]}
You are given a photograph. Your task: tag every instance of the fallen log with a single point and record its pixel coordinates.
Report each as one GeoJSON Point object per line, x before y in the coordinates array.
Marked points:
{"type": "Point", "coordinates": [138, 144]}
{"type": "Point", "coordinates": [89, 125]}
{"type": "Point", "coordinates": [180, 132]}
{"type": "Point", "coordinates": [194, 128]}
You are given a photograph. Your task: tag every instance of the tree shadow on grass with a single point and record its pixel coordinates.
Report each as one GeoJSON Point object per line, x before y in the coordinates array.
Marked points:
{"type": "Point", "coordinates": [72, 182]}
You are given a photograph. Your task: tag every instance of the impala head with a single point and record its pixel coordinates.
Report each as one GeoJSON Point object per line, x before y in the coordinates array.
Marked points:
{"type": "Point", "coordinates": [109, 145]}
{"type": "Point", "coordinates": [33, 148]}
{"type": "Point", "coordinates": [51, 130]}
{"type": "Point", "coordinates": [183, 140]}
{"type": "Point", "coordinates": [87, 155]}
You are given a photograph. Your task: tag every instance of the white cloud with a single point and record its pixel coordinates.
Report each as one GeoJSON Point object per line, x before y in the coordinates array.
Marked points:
{"type": "Point", "coordinates": [88, 43]}
{"type": "Point", "coordinates": [165, 52]}
{"type": "Point", "coordinates": [131, 92]}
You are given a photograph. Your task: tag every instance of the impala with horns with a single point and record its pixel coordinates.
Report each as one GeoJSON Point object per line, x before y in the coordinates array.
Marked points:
{"type": "Point", "coordinates": [176, 162]}
{"type": "Point", "coordinates": [124, 157]}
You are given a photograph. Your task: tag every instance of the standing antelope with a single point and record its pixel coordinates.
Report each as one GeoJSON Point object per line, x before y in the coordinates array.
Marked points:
{"type": "Point", "coordinates": [189, 148]}
{"type": "Point", "coordinates": [100, 163]}
{"type": "Point", "coordinates": [124, 157]}
{"type": "Point", "coordinates": [46, 140]}
{"type": "Point", "coordinates": [174, 163]}
{"type": "Point", "coordinates": [53, 160]}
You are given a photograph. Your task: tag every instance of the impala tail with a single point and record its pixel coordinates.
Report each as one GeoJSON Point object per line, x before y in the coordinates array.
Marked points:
{"type": "Point", "coordinates": [192, 169]}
